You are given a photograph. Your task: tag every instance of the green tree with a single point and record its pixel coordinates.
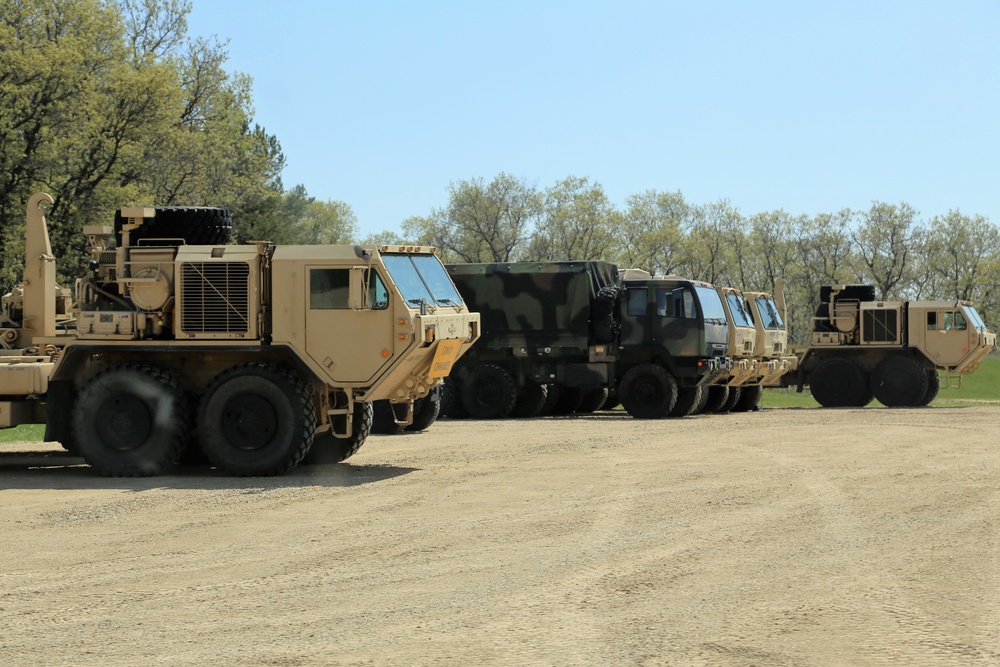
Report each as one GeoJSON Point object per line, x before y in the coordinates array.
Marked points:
{"type": "Point", "coordinates": [579, 223]}
{"type": "Point", "coordinates": [709, 252]}
{"type": "Point", "coordinates": [110, 105]}
{"type": "Point", "coordinates": [886, 239]}
{"type": "Point", "coordinates": [326, 223]}
{"type": "Point", "coordinates": [958, 251]}
{"type": "Point", "coordinates": [652, 231]}
{"type": "Point", "coordinates": [483, 222]}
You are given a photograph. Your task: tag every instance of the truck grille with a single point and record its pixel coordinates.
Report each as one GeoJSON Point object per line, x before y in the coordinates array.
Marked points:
{"type": "Point", "coordinates": [215, 297]}
{"type": "Point", "coordinates": [880, 326]}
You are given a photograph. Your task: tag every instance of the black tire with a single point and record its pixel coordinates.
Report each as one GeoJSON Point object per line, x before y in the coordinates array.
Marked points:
{"type": "Point", "coordinates": [328, 448]}
{"type": "Point", "coordinates": [592, 400]}
{"type": "Point", "coordinates": [899, 381]}
{"type": "Point", "coordinates": [839, 383]}
{"type": "Point", "coordinates": [688, 399]}
{"type": "Point", "coordinates": [256, 420]}
{"type": "Point", "coordinates": [731, 400]}
{"type": "Point", "coordinates": [648, 391]}
{"type": "Point", "coordinates": [603, 315]}
{"type": "Point", "coordinates": [612, 401]}
{"type": "Point", "coordinates": [131, 420]}
{"type": "Point", "coordinates": [488, 392]}
{"type": "Point", "coordinates": [552, 397]}
{"type": "Point", "coordinates": [933, 387]}
{"type": "Point", "coordinates": [383, 419]}
{"type": "Point", "coordinates": [530, 400]}
{"type": "Point", "coordinates": [702, 402]}
{"type": "Point", "coordinates": [196, 225]}
{"type": "Point", "coordinates": [426, 411]}
{"type": "Point", "coordinates": [451, 403]}
{"type": "Point", "coordinates": [750, 398]}
{"type": "Point", "coordinates": [569, 400]}
{"type": "Point", "coordinates": [717, 397]}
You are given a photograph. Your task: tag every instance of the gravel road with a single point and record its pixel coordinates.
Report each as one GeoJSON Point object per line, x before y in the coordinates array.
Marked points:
{"type": "Point", "coordinates": [781, 537]}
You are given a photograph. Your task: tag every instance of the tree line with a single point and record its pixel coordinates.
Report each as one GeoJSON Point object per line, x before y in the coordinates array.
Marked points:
{"type": "Point", "coordinates": [107, 103]}
{"type": "Point", "coordinates": [904, 255]}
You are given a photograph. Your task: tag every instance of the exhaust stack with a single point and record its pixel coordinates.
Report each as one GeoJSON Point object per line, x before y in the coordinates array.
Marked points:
{"type": "Point", "coordinates": [39, 275]}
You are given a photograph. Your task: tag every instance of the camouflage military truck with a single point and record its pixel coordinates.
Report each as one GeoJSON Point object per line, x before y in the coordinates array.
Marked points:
{"type": "Point", "coordinates": [254, 354]}
{"type": "Point", "coordinates": [862, 348]}
{"type": "Point", "coordinates": [576, 329]}
{"type": "Point", "coordinates": [548, 336]}
{"type": "Point", "coordinates": [673, 340]}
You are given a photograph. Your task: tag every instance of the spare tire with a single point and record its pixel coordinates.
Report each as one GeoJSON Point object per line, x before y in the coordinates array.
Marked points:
{"type": "Point", "coordinates": [195, 225]}
{"type": "Point", "coordinates": [603, 312]}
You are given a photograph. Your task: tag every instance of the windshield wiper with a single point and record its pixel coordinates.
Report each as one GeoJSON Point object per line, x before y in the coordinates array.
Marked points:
{"type": "Point", "coordinates": [423, 303]}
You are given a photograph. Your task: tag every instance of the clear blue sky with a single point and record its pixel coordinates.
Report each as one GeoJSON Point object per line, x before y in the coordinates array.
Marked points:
{"type": "Point", "coordinates": [806, 106]}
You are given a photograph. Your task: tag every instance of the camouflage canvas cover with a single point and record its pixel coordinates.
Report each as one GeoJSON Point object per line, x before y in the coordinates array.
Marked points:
{"type": "Point", "coordinates": [533, 305]}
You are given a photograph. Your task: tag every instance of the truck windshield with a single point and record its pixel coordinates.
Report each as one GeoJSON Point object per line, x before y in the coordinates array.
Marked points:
{"type": "Point", "coordinates": [769, 313]}
{"type": "Point", "coordinates": [711, 305]}
{"type": "Point", "coordinates": [422, 278]}
{"type": "Point", "coordinates": [738, 307]}
{"type": "Point", "coordinates": [974, 317]}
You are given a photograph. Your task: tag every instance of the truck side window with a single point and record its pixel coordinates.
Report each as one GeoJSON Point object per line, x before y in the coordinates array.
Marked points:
{"type": "Point", "coordinates": [378, 295]}
{"type": "Point", "coordinates": [955, 321]}
{"type": "Point", "coordinates": [931, 320]}
{"type": "Point", "coordinates": [329, 288]}
{"type": "Point", "coordinates": [684, 304]}
{"type": "Point", "coordinates": [637, 302]}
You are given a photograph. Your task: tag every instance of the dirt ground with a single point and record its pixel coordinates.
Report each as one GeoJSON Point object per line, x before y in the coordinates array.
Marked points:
{"type": "Point", "coordinates": [782, 537]}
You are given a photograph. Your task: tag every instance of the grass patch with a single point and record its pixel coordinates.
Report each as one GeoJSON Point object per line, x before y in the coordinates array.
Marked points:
{"type": "Point", "coordinates": [24, 432]}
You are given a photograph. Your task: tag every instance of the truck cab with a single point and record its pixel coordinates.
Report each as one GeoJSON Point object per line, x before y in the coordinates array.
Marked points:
{"type": "Point", "coordinates": [674, 339]}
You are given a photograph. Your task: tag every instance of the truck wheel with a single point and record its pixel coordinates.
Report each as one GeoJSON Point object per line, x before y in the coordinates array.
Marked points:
{"type": "Point", "coordinates": [530, 400]}
{"type": "Point", "coordinates": [612, 401]}
{"type": "Point", "coordinates": [256, 419]}
{"type": "Point", "coordinates": [328, 448]}
{"type": "Point", "coordinates": [899, 381]}
{"type": "Point", "coordinates": [451, 403]}
{"type": "Point", "coordinates": [750, 397]}
{"type": "Point", "coordinates": [130, 420]}
{"type": "Point", "coordinates": [603, 314]}
{"type": "Point", "coordinates": [425, 411]}
{"type": "Point", "coordinates": [648, 392]}
{"type": "Point", "coordinates": [592, 400]}
{"type": "Point", "coordinates": [731, 400]}
{"type": "Point", "coordinates": [383, 419]}
{"type": "Point", "coordinates": [554, 391]}
{"type": "Point", "coordinates": [489, 392]}
{"type": "Point", "coordinates": [838, 383]}
{"type": "Point", "coordinates": [197, 225]}
{"type": "Point", "coordinates": [688, 399]}
{"type": "Point", "coordinates": [933, 386]}
{"type": "Point", "coordinates": [717, 396]}
{"type": "Point", "coordinates": [568, 401]}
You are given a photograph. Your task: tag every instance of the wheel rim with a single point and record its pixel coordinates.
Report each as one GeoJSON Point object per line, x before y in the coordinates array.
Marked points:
{"type": "Point", "coordinates": [249, 422]}
{"type": "Point", "coordinates": [487, 393]}
{"type": "Point", "coordinates": [124, 422]}
{"type": "Point", "coordinates": [646, 390]}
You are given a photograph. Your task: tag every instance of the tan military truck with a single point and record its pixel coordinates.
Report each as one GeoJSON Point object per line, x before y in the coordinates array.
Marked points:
{"type": "Point", "coordinates": [725, 392]}
{"type": "Point", "coordinates": [862, 348]}
{"type": "Point", "coordinates": [775, 361]}
{"type": "Point", "coordinates": [254, 353]}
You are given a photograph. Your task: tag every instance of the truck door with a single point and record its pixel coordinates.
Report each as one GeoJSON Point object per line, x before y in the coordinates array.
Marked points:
{"type": "Point", "coordinates": [949, 336]}
{"type": "Point", "coordinates": [351, 341]}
